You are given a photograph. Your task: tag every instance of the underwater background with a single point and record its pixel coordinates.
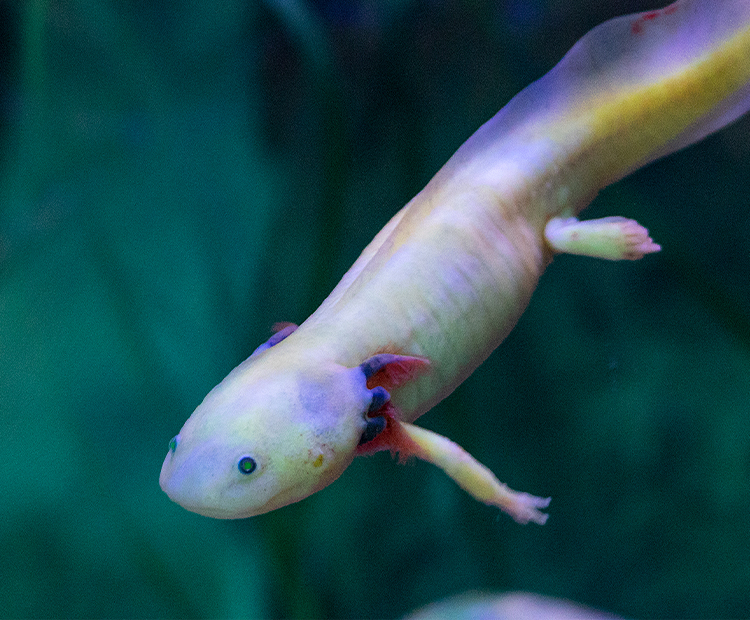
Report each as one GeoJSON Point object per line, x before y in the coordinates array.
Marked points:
{"type": "Point", "coordinates": [175, 177]}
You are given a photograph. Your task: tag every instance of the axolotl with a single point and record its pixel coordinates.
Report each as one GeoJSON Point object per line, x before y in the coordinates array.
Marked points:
{"type": "Point", "coordinates": [446, 279]}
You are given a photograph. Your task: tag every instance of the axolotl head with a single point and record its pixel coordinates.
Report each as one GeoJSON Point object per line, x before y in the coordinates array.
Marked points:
{"type": "Point", "coordinates": [271, 434]}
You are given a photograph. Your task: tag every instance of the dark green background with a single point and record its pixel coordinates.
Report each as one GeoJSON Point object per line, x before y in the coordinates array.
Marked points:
{"type": "Point", "coordinates": [177, 176]}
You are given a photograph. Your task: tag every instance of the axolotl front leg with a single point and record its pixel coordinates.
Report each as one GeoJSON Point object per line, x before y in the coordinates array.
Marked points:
{"type": "Point", "coordinates": [385, 431]}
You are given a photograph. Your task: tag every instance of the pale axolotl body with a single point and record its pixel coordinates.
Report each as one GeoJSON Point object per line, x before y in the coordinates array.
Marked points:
{"type": "Point", "coordinates": [445, 281]}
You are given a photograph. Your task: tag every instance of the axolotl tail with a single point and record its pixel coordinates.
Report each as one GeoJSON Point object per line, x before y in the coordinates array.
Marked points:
{"type": "Point", "coordinates": [633, 89]}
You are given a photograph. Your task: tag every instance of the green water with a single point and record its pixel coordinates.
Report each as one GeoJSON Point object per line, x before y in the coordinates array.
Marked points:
{"type": "Point", "coordinates": [175, 177]}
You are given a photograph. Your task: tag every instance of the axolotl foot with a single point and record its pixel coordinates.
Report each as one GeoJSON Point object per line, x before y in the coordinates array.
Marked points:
{"type": "Point", "coordinates": [525, 507]}
{"type": "Point", "coordinates": [613, 238]}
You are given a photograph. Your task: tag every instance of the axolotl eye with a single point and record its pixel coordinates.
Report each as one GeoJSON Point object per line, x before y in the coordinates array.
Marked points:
{"type": "Point", "coordinates": [173, 443]}
{"type": "Point", "coordinates": [247, 465]}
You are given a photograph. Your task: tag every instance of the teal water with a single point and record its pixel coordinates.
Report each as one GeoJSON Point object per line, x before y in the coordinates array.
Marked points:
{"type": "Point", "coordinates": [176, 177]}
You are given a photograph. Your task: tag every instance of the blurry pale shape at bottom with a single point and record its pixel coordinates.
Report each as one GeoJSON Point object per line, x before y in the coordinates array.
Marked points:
{"type": "Point", "coordinates": [509, 606]}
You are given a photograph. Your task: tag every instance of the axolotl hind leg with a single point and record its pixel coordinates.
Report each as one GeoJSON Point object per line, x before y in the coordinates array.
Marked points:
{"type": "Point", "coordinates": [613, 238]}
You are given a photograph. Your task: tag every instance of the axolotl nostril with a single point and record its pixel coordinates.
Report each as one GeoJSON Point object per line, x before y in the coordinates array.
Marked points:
{"type": "Point", "coordinates": [444, 282]}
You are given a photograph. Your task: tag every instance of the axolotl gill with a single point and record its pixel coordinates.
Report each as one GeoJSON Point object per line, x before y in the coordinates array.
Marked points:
{"type": "Point", "coordinates": [446, 279]}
